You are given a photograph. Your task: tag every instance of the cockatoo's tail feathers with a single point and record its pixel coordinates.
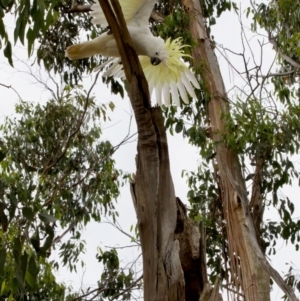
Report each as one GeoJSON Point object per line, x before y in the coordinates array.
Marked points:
{"type": "Point", "coordinates": [75, 52]}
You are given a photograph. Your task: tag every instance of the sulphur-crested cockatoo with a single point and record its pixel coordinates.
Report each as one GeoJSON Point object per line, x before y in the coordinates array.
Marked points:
{"type": "Point", "coordinates": [161, 61]}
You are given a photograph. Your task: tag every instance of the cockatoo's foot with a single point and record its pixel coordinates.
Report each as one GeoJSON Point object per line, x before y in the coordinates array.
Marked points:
{"type": "Point", "coordinates": [109, 32]}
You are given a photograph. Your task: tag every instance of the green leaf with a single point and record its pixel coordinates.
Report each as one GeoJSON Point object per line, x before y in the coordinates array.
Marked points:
{"type": "Point", "coordinates": [30, 39]}
{"type": "Point", "coordinates": [20, 27]}
{"type": "Point", "coordinates": [17, 29]}
{"type": "Point", "coordinates": [8, 52]}
{"type": "Point", "coordinates": [28, 213]}
{"type": "Point", "coordinates": [32, 267]}
{"type": "Point", "coordinates": [285, 233]}
{"type": "Point", "coordinates": [4, 3]}
{"type": "Point", "coordinates": [35, 240]}
{"type": "Point", "coordinates": [47, 218]}
{"type": "Point", "coordinates": [2, 155]}
{"type": "Point", "coordinates": [49, 19]}
{"type": "Point", "coordinates": [49, 239]}
{"type": "Point", "coordinates": [2, 260]}
{"type": "Point", "coordinates": [17, 250]}
{"type": "Point", "coordinates": [3, 218]}
{"type": "Point", "coordinates": [15, 285]}
{"type": "Point", "coordinates": [178, 127]}
{"type": "Point", "coordinates": [20, 279]}
{"type": "Point", "coordinates": [24, 261]}
{"type": "Point", "coordinates": [3, 286]}
{"type": "Point", "coordinates": [3, 33]}
{"type": "Point", "coordinates": [30, 279]}
{"type": "Point", "coordinates": [13, 204]}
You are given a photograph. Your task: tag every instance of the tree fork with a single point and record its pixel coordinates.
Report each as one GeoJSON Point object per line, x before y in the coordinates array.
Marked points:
{"type": "Point", "coordinates": [153, 190]}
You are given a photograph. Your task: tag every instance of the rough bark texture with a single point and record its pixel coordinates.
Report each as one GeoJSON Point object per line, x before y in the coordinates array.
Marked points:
{"type": "Point", "coordinates": [246, 256]}
{"type": "Point", "coordinates": [156, 211]}
{"type": "Point", "coordinates": [211, 294]}
{"type": "Point", "coordinates": [153, 190]}
{"type": "Point", "coordinates": [191, 257]}
{"type": "Point", "coordinates": [250, 270]}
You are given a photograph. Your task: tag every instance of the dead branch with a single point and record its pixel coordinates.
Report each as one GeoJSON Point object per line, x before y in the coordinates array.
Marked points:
{"type": "Point", "coordinates": [60, 237]}
{"type": "Point", "coordinates": [273, 41]}
{"type": "Point", "coordinates": [10, 87]}
{"type": "Point", "coordinates": [77, 8]}
{"type": "Point", "coordinates": [128, 288]}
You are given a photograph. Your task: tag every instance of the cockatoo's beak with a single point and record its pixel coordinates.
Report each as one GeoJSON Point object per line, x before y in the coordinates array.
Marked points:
{"type": "Point", "coordinates": [155, 61]}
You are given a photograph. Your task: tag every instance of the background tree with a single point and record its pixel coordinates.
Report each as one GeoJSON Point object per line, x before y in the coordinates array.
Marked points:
{"type": "Point", "coordinates": [250, 141]}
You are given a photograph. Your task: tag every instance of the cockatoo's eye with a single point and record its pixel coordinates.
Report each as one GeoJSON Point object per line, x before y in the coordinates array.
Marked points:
{"type": "Point", "coordinates": [155, 61]}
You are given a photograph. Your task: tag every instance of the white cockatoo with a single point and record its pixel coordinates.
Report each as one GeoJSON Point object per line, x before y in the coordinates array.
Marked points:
{"type": "Point", "coordinates": [161, 61]}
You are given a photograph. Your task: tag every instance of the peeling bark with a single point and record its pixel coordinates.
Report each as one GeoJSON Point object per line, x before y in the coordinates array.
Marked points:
{"type": "Point", "coordinates": [250, 269]}
{"type": "Point", "coordinates": [211, 293]}
{"type": "Point", "coordinates": [156, 211]}
{"type": "Point", "coordinates": [247, 269]}
{"type": "Point", "coordinates": [153, 191]}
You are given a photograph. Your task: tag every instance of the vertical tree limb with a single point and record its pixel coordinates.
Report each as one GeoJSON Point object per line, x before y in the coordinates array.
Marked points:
{"type": "Point", "coordinates": [240, 231]}
{"type": "Point", "coordinates": [153, 190]}
{"type": "Point", "coordinates": [252, 271]}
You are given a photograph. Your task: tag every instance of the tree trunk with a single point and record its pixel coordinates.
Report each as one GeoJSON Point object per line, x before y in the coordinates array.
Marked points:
{"type": "Point", "coordinates": [153, 190]}
{"type": "Point", "coordinates": [247, 268]}
{"type": "Point", "coordinates": [155, 205]}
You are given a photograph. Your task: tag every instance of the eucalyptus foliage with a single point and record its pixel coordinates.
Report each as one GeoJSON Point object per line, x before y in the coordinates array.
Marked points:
{"type": "Point", "coordinates": [55, 172]}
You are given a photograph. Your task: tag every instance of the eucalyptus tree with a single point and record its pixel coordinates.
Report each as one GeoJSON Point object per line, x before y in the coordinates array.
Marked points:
{"type": "Point", "coordinates": [220, 238]}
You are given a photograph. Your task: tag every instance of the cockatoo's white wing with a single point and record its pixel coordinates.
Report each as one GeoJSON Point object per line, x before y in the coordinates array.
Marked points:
{"type": "Point", "coordinates": [137, 11]}
{"type": "Point", "coordinates": [170, 78]}
{"type": "Point", "coordinates": [137, 14]}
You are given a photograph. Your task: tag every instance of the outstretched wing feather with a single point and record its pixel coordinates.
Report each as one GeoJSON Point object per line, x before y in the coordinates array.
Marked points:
{"type": "Point", "coordinates": [191, 77]}
{"type": "Point", "coordinates": [182, 92]}
{"type": "Point", "coordinates": [187, 85]}
{"type": "Point", "coordinates": [174, 93]}
{"type": "Point", "coordinates": [166, 94]}
{"type": "Point", "coordinates": [158, 92]}
{"type": "Point", "coordinates": [138, 11]}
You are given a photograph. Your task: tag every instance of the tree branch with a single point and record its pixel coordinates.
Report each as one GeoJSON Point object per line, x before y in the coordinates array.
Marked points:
{"type": "Point", "coordinates": [283, 74]}
{"type": "Point", "coordinates": [98, 290]}
{"type": "Point", "coordinates": [10, 87]}
{"type": "Point", "coordinates": [127, 289]}
{"type": "Point", "coordinates": [53, 163]}
{"type": "Point", "coordinates": [284, 56]}
{"type": "Point", "coordinates": [77, 8]}
{"type": "Point", "coordinates": [60, 237]}
{"type": "Point", "coordinates": [158, 17]}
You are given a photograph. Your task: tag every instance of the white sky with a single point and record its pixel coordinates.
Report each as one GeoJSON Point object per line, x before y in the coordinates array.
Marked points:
{"type": "Point", "coordinates": [182, 155]}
